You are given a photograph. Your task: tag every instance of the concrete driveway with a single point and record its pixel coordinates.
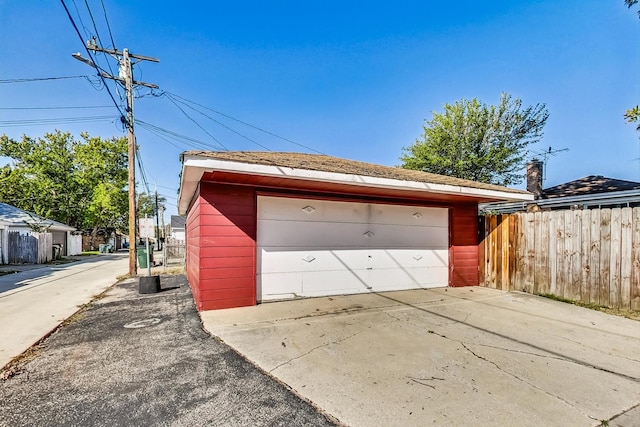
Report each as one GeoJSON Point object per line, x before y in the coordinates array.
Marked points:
{"type": "Point", "coordinates": [455, 356]}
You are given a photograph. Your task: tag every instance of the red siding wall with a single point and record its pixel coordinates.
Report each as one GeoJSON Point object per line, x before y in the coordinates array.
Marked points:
{"type": "Point", "coordinates": [464, 245]}
{"type": "Point", "coordinates": [221, 247]}
{"type": "Point", "coordinates": [192, 241]}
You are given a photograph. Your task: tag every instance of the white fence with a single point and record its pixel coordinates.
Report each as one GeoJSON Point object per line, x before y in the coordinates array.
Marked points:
{"type": "Point", "coordinates": [74, 244]}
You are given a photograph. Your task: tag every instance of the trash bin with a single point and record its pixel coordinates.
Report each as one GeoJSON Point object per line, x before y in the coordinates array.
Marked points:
{"type": "Point", "coordinates": [102, 248]}
{"type": "Point", "coordinates": [142, 257]}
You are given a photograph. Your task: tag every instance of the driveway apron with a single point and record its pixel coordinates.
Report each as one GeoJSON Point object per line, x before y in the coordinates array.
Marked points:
{"type": "Point", "coordinates": [450, 356]}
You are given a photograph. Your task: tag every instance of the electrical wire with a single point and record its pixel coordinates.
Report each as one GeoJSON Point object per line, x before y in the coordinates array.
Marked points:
{"type": "Point", "coordinates": [57, 108]}
{"type": "Point", "coordinates": [198, 124]}
{"type": "Point", "coordinates": [95, 27]}
{"type": "Point", "coordinates": [104, 11]}
{"type": "Point", "coordinates": [219, 123]}
{"type": "Point", "coordinates": [166, 135]}
{"type": "Point", "coordinates": [92, 58]}
{"type": "Point", "coordinates": [40, 79]}
{"type": "Point", "coordinates": [244, 123]}
{"type": "Point", "coordinates": [59, 120]}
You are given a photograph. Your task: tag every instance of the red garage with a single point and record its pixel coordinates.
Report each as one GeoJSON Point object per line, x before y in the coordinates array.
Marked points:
{"type": "Point", "coordinates": [268, 226]}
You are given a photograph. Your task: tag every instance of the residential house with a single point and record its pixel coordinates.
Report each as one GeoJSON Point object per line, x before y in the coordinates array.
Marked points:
{"type": "Point", "coordinates": [16, 223]}
{"type": "Point", "coordinates": [590, 192]}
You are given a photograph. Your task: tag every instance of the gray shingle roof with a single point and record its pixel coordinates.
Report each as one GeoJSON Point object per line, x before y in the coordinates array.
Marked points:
{"type": "Point", "coordinates": [593, 184]}
{"type": "Point", "coordinates": [323, 163]}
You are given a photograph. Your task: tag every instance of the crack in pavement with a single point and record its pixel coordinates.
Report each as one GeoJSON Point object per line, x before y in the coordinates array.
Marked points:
{"type": "Point", "coordinates": [530, 384]}
{"type": "Point", "coordinates": [337, 341]}
{"type": "Point", "coordinates": [595, 349]}
{"type": "Point", "coordinates": [550, 356]}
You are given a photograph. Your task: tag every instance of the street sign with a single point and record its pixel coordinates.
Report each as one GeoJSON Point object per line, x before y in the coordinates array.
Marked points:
{"type": "Point", "coordinates": [146, 228]}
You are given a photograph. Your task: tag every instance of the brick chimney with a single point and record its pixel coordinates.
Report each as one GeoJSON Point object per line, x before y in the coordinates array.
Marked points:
{"type": "Point", "coordinates": [534, 178]}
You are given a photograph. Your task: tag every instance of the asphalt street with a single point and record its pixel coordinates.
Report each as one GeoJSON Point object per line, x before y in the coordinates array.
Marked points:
{"type": "Point", "coordinates": [132, 359]}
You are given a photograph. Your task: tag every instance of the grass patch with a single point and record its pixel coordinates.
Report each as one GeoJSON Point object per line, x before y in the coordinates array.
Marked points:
{"type": "Point", "coordinates": [623, 312]}
{"type": "Point", "coordinates": [87, 253]}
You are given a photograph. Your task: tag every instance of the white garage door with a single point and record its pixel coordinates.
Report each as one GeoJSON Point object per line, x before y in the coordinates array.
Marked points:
{"type": "Point", "coordinates": [314, 247]}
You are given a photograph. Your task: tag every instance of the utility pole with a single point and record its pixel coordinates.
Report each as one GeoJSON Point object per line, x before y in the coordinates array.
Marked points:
{"type": "Point", "coordinates": [157, 221]}
{"type": "Point", "coordinates": [126, 78]}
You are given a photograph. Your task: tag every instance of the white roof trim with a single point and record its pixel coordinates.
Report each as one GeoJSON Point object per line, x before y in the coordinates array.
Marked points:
{"type": "Point", "coordinates": [193, 167]}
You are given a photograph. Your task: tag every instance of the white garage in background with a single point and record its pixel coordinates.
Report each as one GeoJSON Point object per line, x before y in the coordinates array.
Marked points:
{"type": "Point", "coordinates": [309, 247]}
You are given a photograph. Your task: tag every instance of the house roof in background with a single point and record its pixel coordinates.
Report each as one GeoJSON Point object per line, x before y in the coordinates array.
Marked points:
{"type": "Point", "coordinates": [592, 184]}
{"type": "Point", "coordinates": [13, 216]}
{"type": "Point", "coordinates": [177, 222]}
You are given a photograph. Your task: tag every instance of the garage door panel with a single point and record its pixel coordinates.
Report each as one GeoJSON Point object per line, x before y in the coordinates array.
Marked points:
{"type": "Point", "coordinates": [403, 236]}
{"type": "Point", "coordinates": [279, 285]}
{"type": "Point", "coordinates": [313, 234]}
{"type": "Point", "coordinates": [407, 215]}
{"type": "Point", "coordinates": [276, 260]}
{"type": "Point", "coordinates": [408, 278]}
{"type": "Point", "coordinates": [304, 210]}
{"type": "Point", "coordinates": [334, 282]}
{"type": "Point", "coordinates": [398, 258]}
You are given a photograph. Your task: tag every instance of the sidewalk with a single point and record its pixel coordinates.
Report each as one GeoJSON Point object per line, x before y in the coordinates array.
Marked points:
{"type": "Point", "coordinates": [35, 301]}
{"type": "Point", "coordinates": [133, 359]}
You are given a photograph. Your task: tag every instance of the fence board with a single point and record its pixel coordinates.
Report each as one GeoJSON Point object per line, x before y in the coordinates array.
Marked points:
{"type": "Point", "coordinates": [560, 255]}
{"type": "Point", "coordinates": [537, 251]}
{"type": "Point", "coordinates": [553, 258]}
{"type": "Point", "coordinates": [504, 247]}
{"type": "Point", "coordinates": [520, 252]}
{"type": "Point", "coordinates": [605, 256]}
{"type": "Point", "coordinates": [594, 256]}
{"type": "Point", "coordinates": [493, 251]}
{"type": "Point", "coordinates": [625, 257]}
{"type": "Point", "coordinates": [576, 247]}
{"type": "Point", "coordinates": [513, 220]}
{"type": "Point", "coordinates": [497, 264]}
{"type": "Point", "coordinates": [635, 249]}
{"type": "Point", "coordinates": [542, 275]}
{"type": "Point", "coordinates": [530, 254]}
{"type": "Point", "coordinates": [585, 243]}
{"type": "Point", "coordinates": [616, 239]}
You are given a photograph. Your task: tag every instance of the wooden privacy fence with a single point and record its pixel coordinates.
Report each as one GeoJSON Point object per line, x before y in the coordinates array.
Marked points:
{"type": "Point", "coordinates": [29, 248]}
{"type": "Point", "coordinates": [591, 255]}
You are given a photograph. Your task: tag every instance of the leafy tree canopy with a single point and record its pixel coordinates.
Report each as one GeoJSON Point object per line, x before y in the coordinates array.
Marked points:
{"type": "Point", "coordinates": [78, 182]}
{"type": "Point", "coordinates": [476, 141]}
{"type": "Point", "coordinates": [146, 206]}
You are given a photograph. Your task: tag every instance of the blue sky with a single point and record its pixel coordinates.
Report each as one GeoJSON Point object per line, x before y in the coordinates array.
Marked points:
{"type": "Point", "coordinates": [349, 79]}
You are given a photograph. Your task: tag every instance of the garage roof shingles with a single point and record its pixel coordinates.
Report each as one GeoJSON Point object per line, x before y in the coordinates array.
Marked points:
{"type": "Point", "coordinates": [323, 163]}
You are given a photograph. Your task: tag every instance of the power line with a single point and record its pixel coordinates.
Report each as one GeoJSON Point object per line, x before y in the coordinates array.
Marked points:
{"type": "Point", "coordinates": [216, 121]}
{"type": "Point", "coordinates": [95, 27]}
{"type": "Point", "coordinates": [245, 123]}
{"type": "Point", "coordinates": [40, 79]}
{"type": "Point", "coordinates": [165, 134]}
{"type": "Point", "coordinates": [57, 108]}
{"type": "Point", "coordinates": [59, 120]}
{"type": "Point", "coordinates": [198, 124]}
{"type": "Point", "coordinates": [104, 11]}
{"type": "Point", "coordinates": [92, 58]}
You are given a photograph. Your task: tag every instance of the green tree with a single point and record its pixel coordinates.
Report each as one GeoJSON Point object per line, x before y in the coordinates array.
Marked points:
{"type": "Point", "coordinates": [78, 182]}
{"type": "Point", "coordinates": [476, 141]}
{"type": "Point", "coordinates": [146, 206]}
